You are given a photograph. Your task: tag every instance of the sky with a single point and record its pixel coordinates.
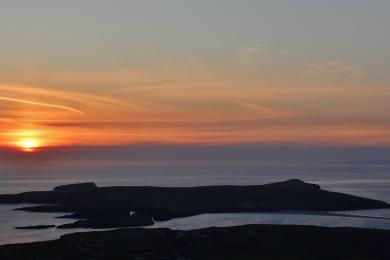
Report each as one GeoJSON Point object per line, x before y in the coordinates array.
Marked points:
{"type": "Point", "coordinates": [215, 72]}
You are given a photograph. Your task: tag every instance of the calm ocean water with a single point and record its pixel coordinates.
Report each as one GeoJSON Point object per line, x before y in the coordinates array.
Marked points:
{"type": "Point", "coordinates": [369, 180]}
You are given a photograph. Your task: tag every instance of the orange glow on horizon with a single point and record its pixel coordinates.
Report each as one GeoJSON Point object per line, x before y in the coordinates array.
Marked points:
{"type": "Point", "coordinates": [35, 118]}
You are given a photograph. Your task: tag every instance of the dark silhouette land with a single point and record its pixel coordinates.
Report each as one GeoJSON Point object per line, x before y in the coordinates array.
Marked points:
{"type": "Point", "coordinates": [110, 207]}
{"type": "Point", "coordinates": [243, 242]}
{"type": "Point", "coordinates": [37, 227]}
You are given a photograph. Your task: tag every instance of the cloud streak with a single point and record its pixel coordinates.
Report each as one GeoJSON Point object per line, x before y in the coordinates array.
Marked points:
{"type": "Point", "coordinates": [35, 103]}
{"type": "Point", "coordinates": [266, 112]}
{"type": "Point", "coordinates": [336, 67]}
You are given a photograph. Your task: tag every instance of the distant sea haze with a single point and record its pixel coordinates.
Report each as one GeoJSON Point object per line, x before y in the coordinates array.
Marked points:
{"type": "Point", "coordinates": [267, 152]}
{"type": "Point", "coordinates": [363, 171]}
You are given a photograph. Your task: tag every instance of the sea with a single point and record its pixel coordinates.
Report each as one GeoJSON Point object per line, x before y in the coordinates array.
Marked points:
{"type": "Point", "coordinates": [370, 180]}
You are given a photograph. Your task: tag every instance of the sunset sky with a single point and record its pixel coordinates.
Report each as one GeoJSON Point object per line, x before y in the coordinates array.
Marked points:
{"type": "Point", "coordinates": [91, 72]}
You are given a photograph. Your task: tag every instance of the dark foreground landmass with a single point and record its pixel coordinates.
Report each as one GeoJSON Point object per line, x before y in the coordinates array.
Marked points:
{"type": "Point", "coordinates": [37, 227]}
{"type": "Point", "coordinates": [243, 242]}
{"type": "Point", "coordinates": [110, 207]}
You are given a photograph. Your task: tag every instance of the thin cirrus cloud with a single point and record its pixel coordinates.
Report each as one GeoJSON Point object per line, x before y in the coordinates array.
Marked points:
{"type": "Point", "coordinates": [267, 112]}
{"type": "Point", "coordinates": [30, 102]}
{"type": "Point", "coordinates": [63, 95]}
{"type": "Point", "coordinates": [336, 68]}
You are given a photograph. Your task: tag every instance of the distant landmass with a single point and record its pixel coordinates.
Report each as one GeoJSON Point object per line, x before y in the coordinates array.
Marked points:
{"type": "Point", "coordinates": [37, 227]}
{"type": "Point", "coordinates": [242, 242]}
{"type": "Point", "coordinates": [133, 206]}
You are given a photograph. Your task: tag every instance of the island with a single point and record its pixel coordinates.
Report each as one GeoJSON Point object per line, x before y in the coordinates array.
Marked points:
{"type": "Point", "coordinates": [225, 243]}
{"type": "Point", "coordinates": [139, 206]}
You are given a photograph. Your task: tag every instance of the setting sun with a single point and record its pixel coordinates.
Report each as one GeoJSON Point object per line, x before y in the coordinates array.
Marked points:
{"type": "Point", "coordinates": [28, 145]}
{"type": "Point", "coordinates": [27, 140]}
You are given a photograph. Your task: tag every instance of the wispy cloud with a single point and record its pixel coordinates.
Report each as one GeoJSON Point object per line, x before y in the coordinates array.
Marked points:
{"type": "Point", "coordinates": [253, 49]}
{"type": "Point", "coordinates": [335, 68]}
{"type": "Point", "coordinates": [30, 102]}
{"type": "Point", "coordinates": [60, 95]}
{"type": "Point", "coordinates": [264, 112]}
